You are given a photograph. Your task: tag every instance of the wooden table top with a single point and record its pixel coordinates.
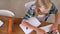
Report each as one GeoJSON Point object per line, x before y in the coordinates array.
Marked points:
{"type": "Point", "coordinates": [16, 29]}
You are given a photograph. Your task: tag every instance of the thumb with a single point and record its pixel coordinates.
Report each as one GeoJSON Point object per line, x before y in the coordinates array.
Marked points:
{"type": "Point", "coordinates": [45, 33]}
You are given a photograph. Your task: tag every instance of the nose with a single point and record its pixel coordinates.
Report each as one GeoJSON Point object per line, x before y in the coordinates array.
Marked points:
{"type": "Point", "coordinates": [44, 12]}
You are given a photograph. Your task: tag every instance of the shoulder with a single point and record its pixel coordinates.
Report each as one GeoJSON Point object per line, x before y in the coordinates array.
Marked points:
{"type": "Point", "coordinates": [53, 9]}
{"type": "Point", "coordinates": [29, 4]}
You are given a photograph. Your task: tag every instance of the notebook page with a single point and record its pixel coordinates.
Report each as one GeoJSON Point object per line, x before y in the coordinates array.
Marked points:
{"type": "Point", "coordinates": [33, 21]}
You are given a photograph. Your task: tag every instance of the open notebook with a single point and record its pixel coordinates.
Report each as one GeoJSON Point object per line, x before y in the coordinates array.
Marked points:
{"type": "Point", "coordinates": [47, 29]}
{"type": "Point", "coordinates": [33, 21]}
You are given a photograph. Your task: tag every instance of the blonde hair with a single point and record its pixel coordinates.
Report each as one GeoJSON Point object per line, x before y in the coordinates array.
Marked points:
{"type": "Point", "coordinates": [46, 4]}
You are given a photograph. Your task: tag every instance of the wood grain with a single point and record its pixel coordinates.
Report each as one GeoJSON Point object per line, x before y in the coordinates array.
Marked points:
{"type": "Point", "coordinates": [16, 29]}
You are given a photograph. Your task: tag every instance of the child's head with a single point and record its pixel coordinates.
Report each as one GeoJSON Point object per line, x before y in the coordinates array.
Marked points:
{"type": "Point", "coordinates": [42, 6]}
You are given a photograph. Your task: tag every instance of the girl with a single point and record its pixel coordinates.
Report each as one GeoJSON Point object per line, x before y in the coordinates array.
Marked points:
{"type": "Point", "coordinates": [40, 8]}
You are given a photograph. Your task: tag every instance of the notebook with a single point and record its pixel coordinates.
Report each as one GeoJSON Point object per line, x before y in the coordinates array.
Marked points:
{"type": "Point", "coordinates": [33, 21]}
{"type": "Point", "coordinates": [47, 29]}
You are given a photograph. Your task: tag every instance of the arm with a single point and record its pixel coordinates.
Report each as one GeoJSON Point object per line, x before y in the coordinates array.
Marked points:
{"type": "Point", "coordinates": [56, 19]}
{"type": "Point", "coordinates": [54, 10]}
{"type": "Point", "coordinates": [34, 28]}
{"type": "Point", "coordinates": [55, 25]}
{"type": "Point", "coordinates": [29, 25]}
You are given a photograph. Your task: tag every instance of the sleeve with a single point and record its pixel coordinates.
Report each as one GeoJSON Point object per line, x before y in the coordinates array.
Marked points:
{"type": "Point", "coordinates": [53, 10]}
{"type": "Point", "coordinates": [28, 5]}
{"type": "Point", "coordinates": [29, 14]}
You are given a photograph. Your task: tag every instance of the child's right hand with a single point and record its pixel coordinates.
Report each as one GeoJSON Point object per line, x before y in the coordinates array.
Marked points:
{"type": "Point", "coordinates": [40, 31]}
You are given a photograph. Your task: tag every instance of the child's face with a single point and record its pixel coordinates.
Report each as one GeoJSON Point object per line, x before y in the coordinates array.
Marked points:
{"type": "Point", "coordinates": [43, 10]}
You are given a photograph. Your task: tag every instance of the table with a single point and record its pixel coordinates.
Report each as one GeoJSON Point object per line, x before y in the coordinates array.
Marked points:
{"type": "Point", "coordinates": [16, 29]}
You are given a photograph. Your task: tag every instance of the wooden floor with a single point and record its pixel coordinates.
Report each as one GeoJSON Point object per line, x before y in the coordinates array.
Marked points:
{"type": "Point", "coordinates": [16, 29]}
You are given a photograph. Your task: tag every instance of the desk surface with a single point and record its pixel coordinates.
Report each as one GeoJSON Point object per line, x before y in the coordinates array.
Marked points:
{"type": "Point", "coordinates": [17, 29]}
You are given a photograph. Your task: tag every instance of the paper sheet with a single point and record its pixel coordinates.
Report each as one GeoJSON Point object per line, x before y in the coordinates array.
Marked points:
{"type": "Point", "coordinates": [47, 28]}
{"type": "Point", "coordinates": [33, 21]}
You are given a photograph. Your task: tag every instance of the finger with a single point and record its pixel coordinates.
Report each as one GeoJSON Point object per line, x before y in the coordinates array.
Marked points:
{"type": "Point", "coordinates": [51, 30]}
{"type": "Point", "coordinates": [45, 33]}
{"type": "Point", "coordinates": [54, 32]}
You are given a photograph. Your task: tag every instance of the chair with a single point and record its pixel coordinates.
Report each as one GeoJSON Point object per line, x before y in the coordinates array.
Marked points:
{"type": "Point", "coordinates": [10, 14]}
{"type": "Point", "coordinates": [6, 13]}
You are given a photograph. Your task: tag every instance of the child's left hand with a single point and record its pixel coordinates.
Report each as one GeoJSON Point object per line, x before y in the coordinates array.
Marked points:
{"type": "Point", "coordinates": [53, 28]}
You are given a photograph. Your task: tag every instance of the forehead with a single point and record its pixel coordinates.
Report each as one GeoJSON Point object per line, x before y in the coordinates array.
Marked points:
{"type": "Point", "coordinates": [40, 2]}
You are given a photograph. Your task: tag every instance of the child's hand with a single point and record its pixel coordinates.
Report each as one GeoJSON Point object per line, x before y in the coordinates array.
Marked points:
{"type": "Point", "coordinates": [54, 32]}
{"type": "Point", "coordinates": [40, 31]}
{"type": "Point", "coordinates": [53, 28]}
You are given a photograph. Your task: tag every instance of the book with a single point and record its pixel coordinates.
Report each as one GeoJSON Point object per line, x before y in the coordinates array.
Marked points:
{"type": "Point", "coordinates": [47, 29]}
{"type": "Point", "coordinates": [33, 21]}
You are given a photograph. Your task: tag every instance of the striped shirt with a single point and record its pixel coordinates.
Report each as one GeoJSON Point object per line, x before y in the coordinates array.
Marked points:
{"type": "Point", "coordinates": [30, 12]}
